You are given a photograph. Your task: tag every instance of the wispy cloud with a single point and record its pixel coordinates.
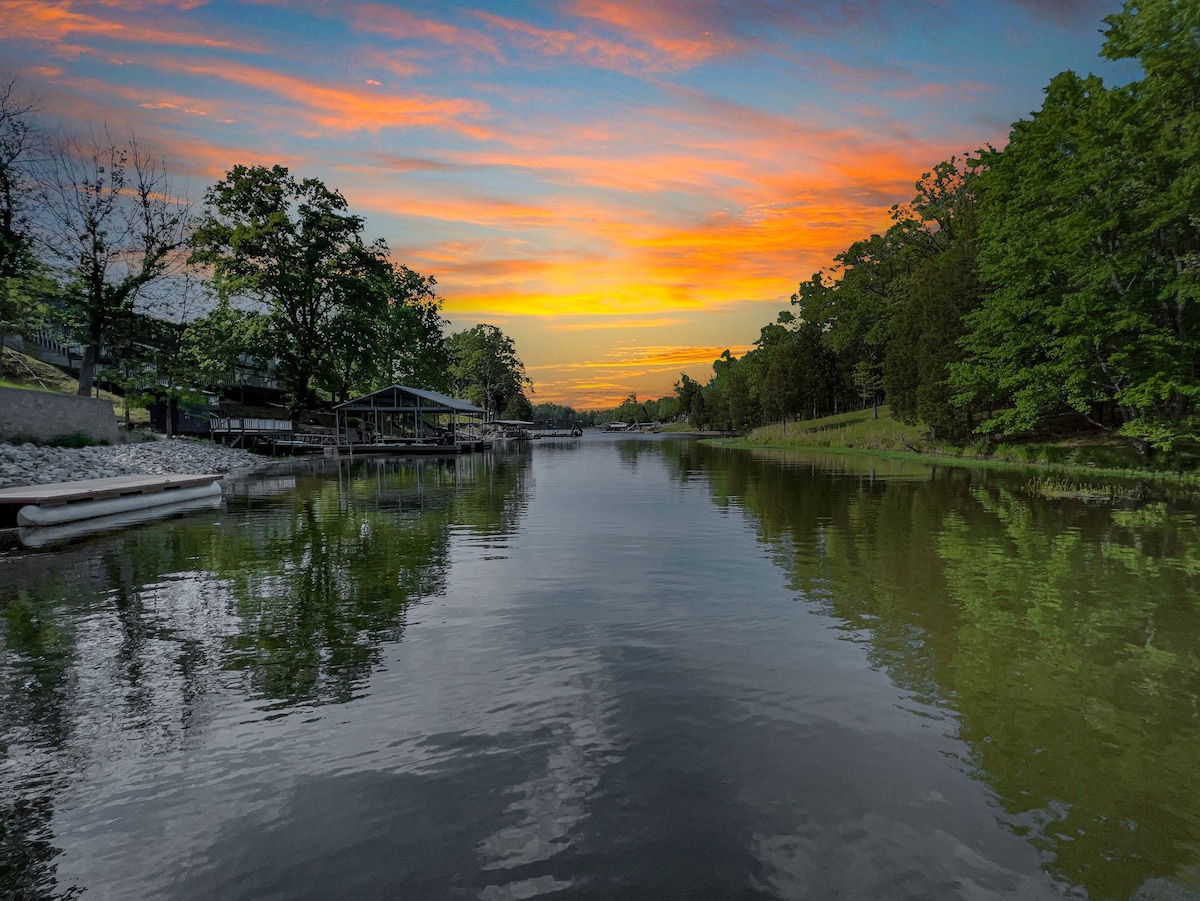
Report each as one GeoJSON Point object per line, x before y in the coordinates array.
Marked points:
{"type": "Point", "coordinates": [347, 108]}
{"type": "Point", "coordinates": [401, 25]}
{"type": "Point", "coordinates": [68, 25]}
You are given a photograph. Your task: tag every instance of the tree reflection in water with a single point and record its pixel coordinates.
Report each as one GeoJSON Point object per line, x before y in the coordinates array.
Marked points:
{"type": "Point", "coordinates": [284, 598]}
{"type": "Point", "coordinates": [1064, 637]}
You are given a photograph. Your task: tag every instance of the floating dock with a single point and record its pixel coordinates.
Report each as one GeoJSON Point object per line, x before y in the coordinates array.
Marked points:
{"type": "Point", "coordinates": [62, 502]}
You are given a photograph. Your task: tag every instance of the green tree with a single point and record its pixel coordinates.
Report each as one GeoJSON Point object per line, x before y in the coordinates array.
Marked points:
{"type": "Point", "coordinates": [687, 390]}
{"type": "Point", "coordinates": [798, 374]}
{"type": "Point", "coordinates": [293, 247]}
{"type": "Point", "coordinates": [665, 409]}
{"type": "Point", "coordinates": [412, 333]}
{"type": "Point", "coordinates": [856, 304]}
{"type": "Point", "coordinates": [698, 411]}
{"type": "Point", "coordinates": [926, 336]}
{"type": "Point", "coordinates": [548, 411]}
{"type": "Point", "coordinates": [395, 338]}
{"type": "Point", "coordinates": [485, 367]}
{"type": "Point", "coordinates": [213, 344]}
{"type": "Point", "coordinates": [112, 226]}
{"type": "Point", "coordinates": [518, 407]}
{"type": "Point", "coordinates": [1090, 246]}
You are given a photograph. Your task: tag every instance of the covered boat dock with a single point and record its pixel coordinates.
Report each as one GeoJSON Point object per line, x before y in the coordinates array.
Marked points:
{"type": "Point", "coordinates": [400, 419]}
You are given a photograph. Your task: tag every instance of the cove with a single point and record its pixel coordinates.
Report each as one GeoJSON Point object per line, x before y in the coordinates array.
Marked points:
{"type": "Point", "coordinates": [609, 668]}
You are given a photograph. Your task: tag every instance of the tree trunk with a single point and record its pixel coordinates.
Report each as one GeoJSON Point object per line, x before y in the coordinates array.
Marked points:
{"type": "Point", "coordinates": [87, 370]}
{"type": "Point", "coordinates": [300, 401]}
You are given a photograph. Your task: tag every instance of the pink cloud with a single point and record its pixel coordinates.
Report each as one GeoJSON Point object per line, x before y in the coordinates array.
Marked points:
{"type": "Point", "coordinates": [59, 23]}
{"type": "Point", "coordinates": [347, 108]}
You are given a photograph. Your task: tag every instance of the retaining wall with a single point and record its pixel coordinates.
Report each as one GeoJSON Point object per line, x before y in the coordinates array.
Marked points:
{"type": "Point", "coordinates": [44, 416]}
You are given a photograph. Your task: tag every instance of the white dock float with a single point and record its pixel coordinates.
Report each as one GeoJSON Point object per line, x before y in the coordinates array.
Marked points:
{"type": "Point", "coordinates": [62, 502]}
{"type": "Point", "coordinates": [47, 536]}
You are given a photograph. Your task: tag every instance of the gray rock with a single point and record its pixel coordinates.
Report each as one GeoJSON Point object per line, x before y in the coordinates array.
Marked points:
{"type": "Point", "coordinates": [28, 465]}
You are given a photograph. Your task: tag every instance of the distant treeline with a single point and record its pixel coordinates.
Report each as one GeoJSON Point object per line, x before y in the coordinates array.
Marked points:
{"type": "Point", "coordinates": [1053, 285]}
{"type": "Point", "coordinates": [665, 409]}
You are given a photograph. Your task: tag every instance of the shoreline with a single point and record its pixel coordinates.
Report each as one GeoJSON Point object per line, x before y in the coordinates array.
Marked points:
{"type": "Point", "coordinates": [1188, 483]}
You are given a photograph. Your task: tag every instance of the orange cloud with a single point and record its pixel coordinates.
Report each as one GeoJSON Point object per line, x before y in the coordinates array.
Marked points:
{"type": "Point", "coordinates": [400, 24]}
{"type": "Point", "coordinates": [58, 22]}
{"type": "Point", "coordinates": [676, 39]}
{"type": "Point", "coordinates": [580, 47]}
{"type": "Point", "coordinates": [347, 109]}
{"type": "Point", "coordinates": [462, 209]}
{"type": "Point", "coordinates": [650, 359]}
{"type": "Point", "coordinates": [606, 382]}
{"type": "Point", "coordinates": [622, 324]}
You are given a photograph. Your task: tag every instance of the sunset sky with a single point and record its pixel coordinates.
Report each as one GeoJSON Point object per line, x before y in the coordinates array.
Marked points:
{"type": "Point", "coordinates": [626, 187]}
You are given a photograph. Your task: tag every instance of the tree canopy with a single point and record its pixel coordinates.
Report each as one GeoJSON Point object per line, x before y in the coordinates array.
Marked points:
{"type": "Point", "coordinates": [336, 312]}
{"type": "Point", "coordinates": [19, 140]}
{"type": "Point", "coordinates": [1090, 247]}
{"type": "Point", "coordinates": [485, 367]}
{"type": "Point", "coordinates": [1050, 286]}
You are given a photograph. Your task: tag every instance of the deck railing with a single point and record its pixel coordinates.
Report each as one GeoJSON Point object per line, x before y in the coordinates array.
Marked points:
{"type": "Point", "coordinates": [249, 424]}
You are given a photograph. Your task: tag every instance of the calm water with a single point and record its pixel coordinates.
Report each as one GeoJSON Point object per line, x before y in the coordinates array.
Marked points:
{"type": "Point", "coordinates": [608, 668]}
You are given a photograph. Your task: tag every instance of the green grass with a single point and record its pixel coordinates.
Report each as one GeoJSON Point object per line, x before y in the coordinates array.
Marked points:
{"type": "Point", "coordinates": [1057, 486]}
{"type": "Point", "coordinates": [856, 430]}
{"type": "Point", "coordinates": [9, 383]}
{"type": "Point", "coordinates": [45, 377]}
{"type": "Point", "coordinates": [1087, 466]}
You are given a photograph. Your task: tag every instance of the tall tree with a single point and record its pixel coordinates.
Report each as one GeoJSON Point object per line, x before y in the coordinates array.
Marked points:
{"type": "Point", "coordinates": [687, 390]}
{"type": "Point", "coordinates": [19, 143]}
{"type": "Point", "coordinates": [395, 339]}
{"type": "Point", "coordinates": [112, 225]}
{"type": "Point", "coordinates": [484, 366]}
{"type": "Point", "coordinates": [293, 247]}
{"type": "Point", "coordinates": [213, 344]}
{"type": "Point", "coordinates": [855, 305]}
{"type": "Point", "coordinates": [1090, 246]}
{"type": "Point", "coordinates": [926, 335]}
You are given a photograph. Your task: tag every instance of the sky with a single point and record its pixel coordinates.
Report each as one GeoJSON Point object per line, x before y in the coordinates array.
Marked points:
{"type": "Point", "coordinates": [626, 187]}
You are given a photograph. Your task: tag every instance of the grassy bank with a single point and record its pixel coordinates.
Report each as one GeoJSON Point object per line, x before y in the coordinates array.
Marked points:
{"type": "Point", "coordinates": [23, 371]}
{"type": "Point", "coordinates": [1086, 465]}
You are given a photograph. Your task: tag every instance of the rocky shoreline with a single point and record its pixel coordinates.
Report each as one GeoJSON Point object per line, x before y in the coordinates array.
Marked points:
{"type": "Point", "coordinates": [28, 464]}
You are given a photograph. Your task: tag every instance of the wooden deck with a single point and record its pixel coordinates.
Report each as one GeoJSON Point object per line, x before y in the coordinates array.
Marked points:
{"type": "Point", "coordinates": [55, 493]}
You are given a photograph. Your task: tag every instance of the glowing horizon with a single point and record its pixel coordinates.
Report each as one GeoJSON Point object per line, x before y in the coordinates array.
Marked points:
{"type": "Point", "coordinates": [622, 187]}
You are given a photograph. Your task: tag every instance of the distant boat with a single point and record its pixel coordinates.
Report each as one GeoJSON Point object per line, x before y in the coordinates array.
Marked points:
{"type": "Point", "coordinates": [506, 429]}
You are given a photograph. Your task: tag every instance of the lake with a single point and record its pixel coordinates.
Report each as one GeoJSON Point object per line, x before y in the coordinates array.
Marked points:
{"type": "Point", "coordinates": [609, 668]}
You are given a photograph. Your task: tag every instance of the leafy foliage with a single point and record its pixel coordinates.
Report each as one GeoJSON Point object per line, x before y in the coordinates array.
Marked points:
{"type": "Point", "coordinates": [334, 310]}
{"type": "Point", "coordinates": [1090, 247]}
{"type": "Point", "coordinates": [485, 367]}
{"type": "Point", "coordinates": [1051, 286]}
{"type": "Point", "coordinates": [21, 280]}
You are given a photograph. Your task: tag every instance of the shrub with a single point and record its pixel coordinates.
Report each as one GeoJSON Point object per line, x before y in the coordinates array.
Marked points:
{"type": "Point", "coordinates": [77, 440]}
